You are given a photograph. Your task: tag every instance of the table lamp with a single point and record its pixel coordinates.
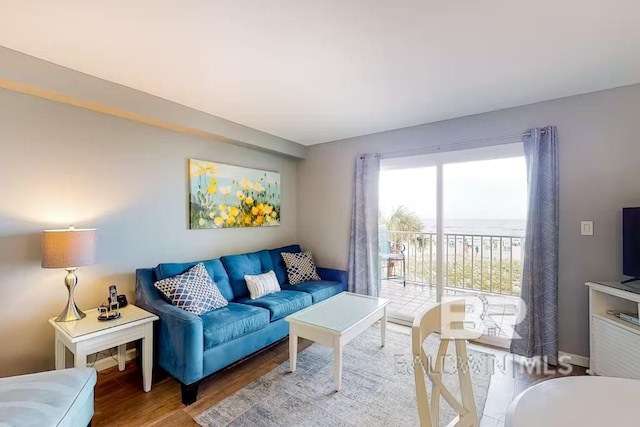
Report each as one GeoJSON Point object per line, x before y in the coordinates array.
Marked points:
{"type": "Point", "coordinates": [69, 249]}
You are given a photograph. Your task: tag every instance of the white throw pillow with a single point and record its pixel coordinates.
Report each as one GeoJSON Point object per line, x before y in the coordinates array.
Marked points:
{"type": "Point", "coordinates": [262, 284]}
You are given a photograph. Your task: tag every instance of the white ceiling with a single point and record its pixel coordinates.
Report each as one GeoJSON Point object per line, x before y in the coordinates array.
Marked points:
{"type": "Point", "coordinates": [316, 71]}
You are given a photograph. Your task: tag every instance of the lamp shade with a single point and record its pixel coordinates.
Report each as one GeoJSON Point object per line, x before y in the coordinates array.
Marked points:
{"type": "Point", "coordinates": [69, 248]}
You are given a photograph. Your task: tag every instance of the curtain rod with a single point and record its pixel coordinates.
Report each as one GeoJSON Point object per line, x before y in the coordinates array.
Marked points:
{"type": "Point", "coordinates": [461, 144]}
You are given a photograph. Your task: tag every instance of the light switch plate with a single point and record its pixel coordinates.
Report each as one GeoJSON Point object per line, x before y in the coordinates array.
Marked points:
{"type": "Point", "coordinates": [586, 228]}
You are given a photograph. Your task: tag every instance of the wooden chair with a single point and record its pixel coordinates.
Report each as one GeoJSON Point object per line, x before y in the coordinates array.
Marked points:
{"type": "Point", "coordinates": [446, 319]}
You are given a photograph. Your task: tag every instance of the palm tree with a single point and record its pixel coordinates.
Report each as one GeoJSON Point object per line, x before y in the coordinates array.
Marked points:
{"type": "Point", "coordinates": [402, 219]}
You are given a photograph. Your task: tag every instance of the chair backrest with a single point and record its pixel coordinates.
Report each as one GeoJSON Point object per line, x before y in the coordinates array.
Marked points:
{"type": "Point", "coordinates": [384, 245]}
{"type": "Point", "coordinates": [446, 319]}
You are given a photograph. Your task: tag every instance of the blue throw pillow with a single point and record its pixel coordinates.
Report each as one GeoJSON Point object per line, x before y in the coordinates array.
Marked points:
{"type": "Point", "coordinates": [193, 291]}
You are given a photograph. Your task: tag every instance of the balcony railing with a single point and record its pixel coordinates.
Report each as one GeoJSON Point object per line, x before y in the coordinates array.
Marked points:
{"type": "Point", "coordinates": [484, 263]}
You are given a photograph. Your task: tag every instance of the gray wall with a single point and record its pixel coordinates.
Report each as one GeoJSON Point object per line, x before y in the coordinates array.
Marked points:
{"type": "Point", "coordinates": [599, 174]}
{"type": "Point", "coordinates": [61, 165]}
{"type": "Point", "coordinates": [45, 79]}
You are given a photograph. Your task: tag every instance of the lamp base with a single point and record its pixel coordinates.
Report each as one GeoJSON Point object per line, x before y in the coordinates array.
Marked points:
{"type": "Point", "coordinates": [71, 312]}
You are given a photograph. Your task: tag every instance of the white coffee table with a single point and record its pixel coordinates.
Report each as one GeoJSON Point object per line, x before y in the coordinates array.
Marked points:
{"type": "Point", "coordinates": [334, 322]}
{"type": "Point", "coordinates": [90, 335]}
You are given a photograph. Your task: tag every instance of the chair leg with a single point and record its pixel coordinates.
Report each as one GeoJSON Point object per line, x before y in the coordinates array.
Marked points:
{"type": "Point", "coordinates": [404, 273]}
{"type": "Point", "coordinates": [466, 388]}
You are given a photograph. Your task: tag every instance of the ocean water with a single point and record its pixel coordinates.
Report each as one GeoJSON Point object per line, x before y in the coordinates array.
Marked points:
{"type": "Point", "coordinates": [485, 227]}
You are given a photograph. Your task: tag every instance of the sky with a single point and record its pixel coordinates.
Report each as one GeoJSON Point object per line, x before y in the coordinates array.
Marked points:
{"type": "Point", "coordinates": [487, 189]}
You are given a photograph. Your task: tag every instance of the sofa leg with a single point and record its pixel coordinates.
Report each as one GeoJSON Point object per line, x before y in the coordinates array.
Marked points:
{"type": "Point", "coordinates": [189, 393]}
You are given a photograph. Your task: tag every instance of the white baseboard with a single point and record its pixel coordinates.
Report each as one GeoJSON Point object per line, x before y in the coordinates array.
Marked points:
{"type": "Point", "coordinates": [108, 362]}
{"type": "Point", "coordinates": [575, 359]}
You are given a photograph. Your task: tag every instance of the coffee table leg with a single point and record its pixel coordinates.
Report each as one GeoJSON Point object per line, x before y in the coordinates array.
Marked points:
{"type": "Point", "coordinates": [337, 363]}
{"type": "Point", "coordinates": [383, 328]}
{"type": "Point", "coordinates": [293, 351]}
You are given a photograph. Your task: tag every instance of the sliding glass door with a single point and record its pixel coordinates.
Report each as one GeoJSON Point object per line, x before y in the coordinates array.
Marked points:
{"type": "Point", "coordinates": [484, 213]}
{"type": "Point", "coordinates": [408, 239]}
{"type": "Point", "coordinates": [467, 211]}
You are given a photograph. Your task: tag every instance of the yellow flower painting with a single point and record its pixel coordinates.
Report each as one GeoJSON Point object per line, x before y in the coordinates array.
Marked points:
{"type": "Point", "coordinates": [226, 196]}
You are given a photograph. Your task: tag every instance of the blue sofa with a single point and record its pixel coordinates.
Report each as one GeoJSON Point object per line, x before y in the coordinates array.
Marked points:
{"type": "Point", "coordinates": [191, 347]}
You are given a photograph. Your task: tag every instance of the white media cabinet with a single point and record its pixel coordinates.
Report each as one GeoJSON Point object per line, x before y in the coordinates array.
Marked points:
{"type": "Point", "coordinates": [614, 343]}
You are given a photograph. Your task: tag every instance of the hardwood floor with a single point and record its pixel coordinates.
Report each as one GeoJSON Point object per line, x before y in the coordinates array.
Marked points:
{"type": "Point", "coordinates": [120, 400]}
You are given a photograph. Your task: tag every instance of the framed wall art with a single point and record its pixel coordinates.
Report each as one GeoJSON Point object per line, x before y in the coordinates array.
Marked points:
{"type": "Point", "coordinates": [226, 196]}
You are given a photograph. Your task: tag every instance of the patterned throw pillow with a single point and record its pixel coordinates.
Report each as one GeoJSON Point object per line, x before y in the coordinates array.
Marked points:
{"type": "Point", "coordinates": [193, 291]}
{"type": "Point", "coordinates": [262, 284]}
{"type": "Point", "coordinates": [300, 267]}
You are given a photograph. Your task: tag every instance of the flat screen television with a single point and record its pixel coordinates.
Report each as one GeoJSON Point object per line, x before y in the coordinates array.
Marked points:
{"type": "Point", "coordinates": [631, 243]}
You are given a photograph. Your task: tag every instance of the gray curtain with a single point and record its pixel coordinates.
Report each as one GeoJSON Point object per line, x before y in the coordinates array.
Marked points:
{"type": "Point", "coordinates": [539, 330]}
{"type": "Point", "coordinates": [364, 271]}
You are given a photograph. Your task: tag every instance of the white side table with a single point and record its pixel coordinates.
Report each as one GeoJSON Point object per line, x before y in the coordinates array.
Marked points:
{"type": "Point", "coordinates": [90, 335]}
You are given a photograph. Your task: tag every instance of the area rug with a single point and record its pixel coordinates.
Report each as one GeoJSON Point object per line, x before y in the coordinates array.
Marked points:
{"type": "Point", "coordinates": [377, 387]}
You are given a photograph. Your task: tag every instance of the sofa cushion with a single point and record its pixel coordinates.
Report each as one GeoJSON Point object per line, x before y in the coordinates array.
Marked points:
{"type": "Point", "coordinates": [278, 263]}
{"type": "Point", "coordinates": [231, 322]}
{"type": "Point", "coordinates": [213, 266]}
{"type": "Point", "coordinates": [318, 289]}
{"type": "Point", "coordinates": [192, 291]}
{"type": "Point", "coordinates": [238, 266]}
{"type": "Point", "coordinates": [281, 303]}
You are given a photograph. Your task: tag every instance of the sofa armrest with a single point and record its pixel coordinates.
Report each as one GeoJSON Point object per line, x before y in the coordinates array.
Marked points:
{"type": "Point", "coordinates": [333, 275]}
{"type": "Point", "coordinates": [179, 334]}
